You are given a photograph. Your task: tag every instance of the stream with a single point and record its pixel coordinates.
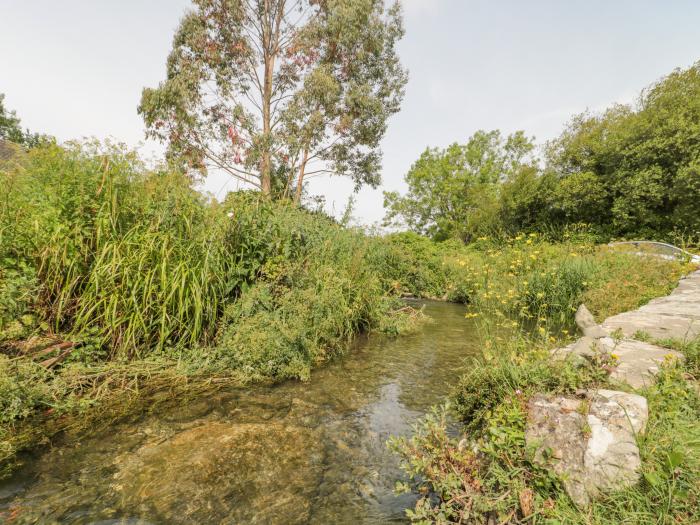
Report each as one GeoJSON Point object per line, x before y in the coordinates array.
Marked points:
{"type": "Point", "coordinates": [311, 452]}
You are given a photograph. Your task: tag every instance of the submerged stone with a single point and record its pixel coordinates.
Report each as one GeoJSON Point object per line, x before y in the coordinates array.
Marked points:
{"type": "Point", "coordinates": [188, 478]}
{"type": "Point", "coordinates": [589, 443]}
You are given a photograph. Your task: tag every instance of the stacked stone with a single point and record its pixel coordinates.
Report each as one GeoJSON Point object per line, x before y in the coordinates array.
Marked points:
{"type": "Point", "coordinates": [590, 441]}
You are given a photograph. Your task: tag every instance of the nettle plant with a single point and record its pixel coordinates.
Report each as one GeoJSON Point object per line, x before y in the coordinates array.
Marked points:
{"type": "Point", "coordinates": [276, 91]}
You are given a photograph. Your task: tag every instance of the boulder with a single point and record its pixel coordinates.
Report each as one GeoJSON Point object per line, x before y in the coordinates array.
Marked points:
{"type": "Point", "coordinates": [637, 362]}
{"type": "Point", "coordinates": [586, 322]}
{"type": "Point", "coordinates": [589, 443]}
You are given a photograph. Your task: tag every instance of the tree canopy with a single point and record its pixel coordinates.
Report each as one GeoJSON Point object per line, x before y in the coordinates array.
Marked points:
{"type": "Point", "coordinates": [452, 191]}
{"type": "Point", "coordinates": [11, 130]}
{"type": "Point", "coordinates": [630, 171]}
{"type": "Point", "coordinates": [276, 91]}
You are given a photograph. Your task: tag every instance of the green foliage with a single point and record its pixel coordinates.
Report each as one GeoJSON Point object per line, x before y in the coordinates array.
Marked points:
{"type": "Point", "coordinates": [516, 364]}
{"type": "Point", "coordinates": [134, 256]}
{"type": "Point", "coordinates": [273, 91]}
{"type": "Point", "coordinates": [157, 287]}
{"type": "Point", "coordinates": [631, 171]}
{"type": "Point", "coordinates": [11, 130]}
{"type": "Point", "coordinates": [23, 388]}
{"type": "Point", "coordinates": [18, 292]}
{"type": "Point", "coordinates": [316, 289]}
{"type": "Point", "coordinates": [413, 265]}
{"type": "Point", "coordinates": [453, 192]}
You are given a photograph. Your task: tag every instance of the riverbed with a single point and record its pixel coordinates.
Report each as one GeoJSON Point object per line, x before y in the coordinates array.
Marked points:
{"type": "Point", "coordinates": [312, 452]}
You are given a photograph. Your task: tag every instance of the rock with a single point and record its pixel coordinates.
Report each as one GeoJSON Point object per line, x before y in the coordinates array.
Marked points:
{"type": "Point", "coordinates": [589, 443]}
{"type": "Point", "coordinates": [223, 473]}
{"type": "Point", "coordinates": [676, 316]}
{"type": "Point", "coordinates": [637, 362]}
{"type": "Point", "coordinates": [586, 322]}
{"type": "Point", "coordinates": [587, 347]}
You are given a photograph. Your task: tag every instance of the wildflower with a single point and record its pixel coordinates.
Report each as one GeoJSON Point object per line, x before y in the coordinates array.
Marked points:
{"type": "Point", "coordinates": [230, 215]}
{"type": "Point", "coordinates": [540, 295]}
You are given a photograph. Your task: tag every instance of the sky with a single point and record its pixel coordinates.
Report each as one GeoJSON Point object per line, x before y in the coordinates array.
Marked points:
{"type": "Point", "coordinates": [76, 68]}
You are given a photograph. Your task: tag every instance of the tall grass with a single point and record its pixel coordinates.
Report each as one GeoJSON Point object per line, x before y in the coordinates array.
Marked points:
{"type": "Point", "coordinates": [152, 282]}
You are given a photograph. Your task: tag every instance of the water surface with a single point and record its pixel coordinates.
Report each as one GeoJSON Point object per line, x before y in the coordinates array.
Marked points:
{"type": "Point", "coordinates": [311, 452]}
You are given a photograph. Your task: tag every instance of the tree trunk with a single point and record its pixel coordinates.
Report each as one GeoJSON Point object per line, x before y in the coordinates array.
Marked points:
{"type": "Point", "coordinates": [270, 46]}
{"type": "Point", "coordinates": [300, 180]}
{"type": "Point", "coordinates": [266, 158]}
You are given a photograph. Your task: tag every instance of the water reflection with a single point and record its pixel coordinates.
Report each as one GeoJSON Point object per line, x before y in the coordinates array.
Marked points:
{"type": "Point", "coordinates": [295, 453]}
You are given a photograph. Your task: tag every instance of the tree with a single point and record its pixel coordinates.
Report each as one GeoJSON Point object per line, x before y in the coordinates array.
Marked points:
{"type": "Point", "coordinates": [454, 192]}
{"type": "Point", "coordinates": [9, 124]}
{"type": "Point", "coordinates": [11, 130]}
{"type": "Point", "coordinates": [634, 169]}
{"type": "Point", "coordinates": [276, 91]}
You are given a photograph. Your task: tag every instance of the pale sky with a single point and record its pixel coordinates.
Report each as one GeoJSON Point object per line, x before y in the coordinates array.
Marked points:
{"type": "Point", "coordinates": [75, 68]}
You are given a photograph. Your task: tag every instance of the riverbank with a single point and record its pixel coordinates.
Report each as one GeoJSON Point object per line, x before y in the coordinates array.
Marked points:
{"type": "Point", "coordinates": [497, 470]}
{"type": "Point", "coordinates": [290, 453]}
{"type": "Point", "coordinates": [121, 285]}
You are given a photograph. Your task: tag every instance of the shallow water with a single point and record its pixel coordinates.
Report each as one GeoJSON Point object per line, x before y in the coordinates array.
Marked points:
{"type": "Point", "coordinates": [310, 452]}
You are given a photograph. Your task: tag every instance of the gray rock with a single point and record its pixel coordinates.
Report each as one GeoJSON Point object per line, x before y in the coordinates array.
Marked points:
{"type": "Point", "coordinates": [586, 322]}
{"type": "Point", "coordinates": [637, 362]}
{"type": "Point", "coordinates": [590, 444]}
{"type": "Point", "coordinates": [676, 316]}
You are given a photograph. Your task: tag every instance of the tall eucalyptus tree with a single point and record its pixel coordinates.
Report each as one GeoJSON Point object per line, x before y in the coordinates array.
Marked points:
{"type": "Point", "coordinates": [277, 91]}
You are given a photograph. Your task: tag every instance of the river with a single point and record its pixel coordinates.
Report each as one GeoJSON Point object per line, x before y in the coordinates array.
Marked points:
{"type": "Point", "coordinates": [312, 452]}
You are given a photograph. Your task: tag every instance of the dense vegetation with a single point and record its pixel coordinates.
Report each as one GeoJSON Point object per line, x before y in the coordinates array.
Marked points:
{"type": "Point", "coordinates": [110, 272]}
{"type": "Point", "coordinates": [631, 171]}
{"type": "Point", "coordinates": [487, 469]}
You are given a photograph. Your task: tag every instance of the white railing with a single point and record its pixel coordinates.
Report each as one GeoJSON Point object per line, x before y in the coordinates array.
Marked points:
{"type": "Point", "coordinates": [659, 249]}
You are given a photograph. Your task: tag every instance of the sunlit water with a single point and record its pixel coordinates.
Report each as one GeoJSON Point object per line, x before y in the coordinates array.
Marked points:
{"type": "Point", "coordinates": [310, 452]}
